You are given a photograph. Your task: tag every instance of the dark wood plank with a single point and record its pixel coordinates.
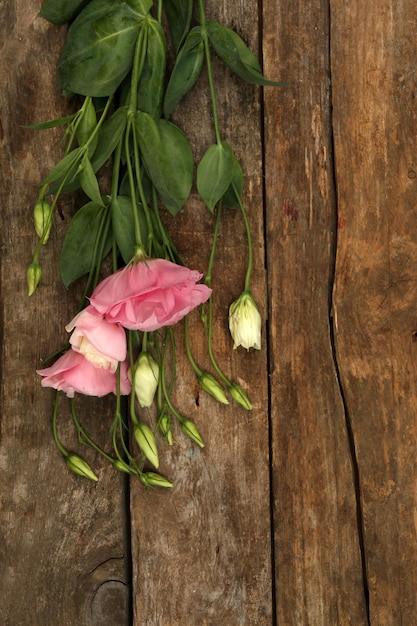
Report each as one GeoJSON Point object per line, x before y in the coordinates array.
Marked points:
{"type": "Point", "coordinates": [374, 51]}
{"type": "Point", "coordinates": [62, 544]}
{"type": "Point", "coordinates": [317, 556]}
{"type": "Point", "coordinates": [201, 554]}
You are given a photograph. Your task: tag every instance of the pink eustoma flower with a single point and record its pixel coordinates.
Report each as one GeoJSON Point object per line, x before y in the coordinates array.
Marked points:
{"type": "Point", "coordinates": [73, 373]}
{"type": "Point", "coordinates": [149, 294]}
{"type": "Point", "coordinates": [102, 343]}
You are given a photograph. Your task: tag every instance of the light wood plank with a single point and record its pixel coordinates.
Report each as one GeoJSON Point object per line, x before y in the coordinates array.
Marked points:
{"type": "Point", "coordinates": [317, 556]}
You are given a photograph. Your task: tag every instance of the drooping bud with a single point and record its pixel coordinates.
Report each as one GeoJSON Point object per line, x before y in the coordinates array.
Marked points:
{"type": "Point", "coordinates": [164, 424]}
{"type": "Point", "coordinates": [151, 479]}
{"type": "Point", "coordinates": [146, 379]}
{"type": "Point", "coordinates": [245, 322]}
{"type": "Point", "coordinates": [240, 396]}
{"type": "Point", "coordinates": [190, 430]}
{"type": "Point", "coordinates": [121, 466]}
{"type": "Point", "coordinates": [211, 386]}
{"type": "Point", "coordinates": [145, 439]}
{"type": "Point", "coordinates": [42, 216]}
{"type": "Point", "coordinates": [80, 467]}
{"type": "Point", "coordinates": [34, 275]}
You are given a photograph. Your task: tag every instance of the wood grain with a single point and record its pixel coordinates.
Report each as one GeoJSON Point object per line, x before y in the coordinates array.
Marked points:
{"type": "Point", "coordinates": [375, 122]}
{"type": "Point", "coordinates": [62, 544]}
{"type": "Point", "coordinates": [317, 555]}
{"type": "Point", "coordinates": [201, 554]}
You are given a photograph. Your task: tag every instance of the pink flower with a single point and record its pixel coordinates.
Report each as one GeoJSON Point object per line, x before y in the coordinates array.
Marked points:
{"type": "Point", "coordinates": [102, 343]}
{"type": "Point", "coordinates": [149, 294]}
{"type": "Point", "coordinates": [73, 373]}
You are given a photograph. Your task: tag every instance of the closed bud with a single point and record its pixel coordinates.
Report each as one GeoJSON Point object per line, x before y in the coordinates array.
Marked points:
{"type": "Point", "coordinates": [42, 217]}
{"type": "Point", "coordinates": [211, 386]}
{"type": "Point", "coordinates": [145, 439]}
{"type": "Point", "coordinates": [34, 275]}
{"type": "Point", "coordinates": [146, 379]}
{"type": "Point", "coordinates": [239, 396]}
{"type": "Point", "coordinates": [190, 429]}
{"type": "Point", "coordinates": [245, 322]}
{"type": "Point", "coordinates": [122, 466]}
{"type": "Point", "coordinates": [165, 428]}
{"type": "Point", "coordinates": [151, 479]}
{"type": "Point", "coordinates": [77, 465]}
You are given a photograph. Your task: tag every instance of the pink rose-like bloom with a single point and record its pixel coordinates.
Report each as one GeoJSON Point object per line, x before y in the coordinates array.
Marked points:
{"type": "Point", "coordinates": [102, 343]}
{"type": "Point", "coordinates": [149, 294]}
{"type": "Point", "coordinates": [73, 373]}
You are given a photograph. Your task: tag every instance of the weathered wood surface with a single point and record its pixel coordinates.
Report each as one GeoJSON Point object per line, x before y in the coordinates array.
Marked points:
{"type": "Point", "coordinates": [293, 513]}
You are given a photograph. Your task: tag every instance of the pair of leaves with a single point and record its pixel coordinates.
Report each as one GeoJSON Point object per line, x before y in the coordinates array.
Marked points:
{"type": "Point", "coordinates": [167, 158]}
{"type": "Point", "coordinates": [99, 47]}
{"type": "Point", "coordinates": [219, 176]}
{"type": "Point", "coordinates": [80, 251]}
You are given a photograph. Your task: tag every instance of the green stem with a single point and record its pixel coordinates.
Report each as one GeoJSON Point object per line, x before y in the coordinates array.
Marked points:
{"type": "Point", "coordinates": [138, 238]}
{"type": "Point", "coordinates": [138, 61]}
{"type": "Point", "coordinates": [54, 427]}
{"type": "Point", "coordinates": [83, 436]}
{"type": "Point", "coordinates": [249, 238]}
{"type": "Point", "coordinates": [193, 364]}
{"type": "Point", "coordinates": [202, 14]}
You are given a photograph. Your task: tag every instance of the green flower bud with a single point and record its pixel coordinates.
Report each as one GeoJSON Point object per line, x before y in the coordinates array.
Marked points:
{"type": "Point", "coordinates": [121, 466]}
{"type": "Point", "coordinates": [165, 428]}
{"type": "Point", "coordinates": [145, 439]}
{"type": "Point", "coordinates": [151, 479]}
{"type": "Point", "coordinates": [211, 386]}
{"type": "Point", "coordinates": [245, 322]}
{"type": "Point", "coordinates": [77, 465]}
{"type": "Point", "coordinates": [146, 379]}
{"type": "Point", "coordinates": [239, 396]}
{"type": "Point", "coordinates": [190, 429]}
{"type": "Point", "coordinates": [42, 216]}
{"type": "Point", "coordinates": [34, 275]}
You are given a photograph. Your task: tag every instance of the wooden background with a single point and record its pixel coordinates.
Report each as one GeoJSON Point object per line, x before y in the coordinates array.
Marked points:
{"type": "Point", "coordinates": [302, 512]}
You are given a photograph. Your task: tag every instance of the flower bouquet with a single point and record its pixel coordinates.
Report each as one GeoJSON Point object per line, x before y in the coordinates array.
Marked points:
{"type": "Point", "coordinates": [128, 63]}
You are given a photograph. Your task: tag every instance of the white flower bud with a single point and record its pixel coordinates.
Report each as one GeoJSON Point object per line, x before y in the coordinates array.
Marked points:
{"type": "Point", "coordinates": [146, 379]}
{"type": "Point", "coordinates": [245, 322]}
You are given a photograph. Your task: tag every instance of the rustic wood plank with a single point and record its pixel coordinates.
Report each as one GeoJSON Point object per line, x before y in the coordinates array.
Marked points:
{"type": "Point", "coordinates": [317, 556]}
{"type": "Point", "coordinates": [62, 537]}
{"type": "Point", "coordinates": [374, 51]}
{"type": "Point", "coordinates": [201, 554]}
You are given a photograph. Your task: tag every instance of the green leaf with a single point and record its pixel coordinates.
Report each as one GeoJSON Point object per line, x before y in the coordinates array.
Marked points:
{"type": "Point", "coordinates": [61, 11]}
{"type": "Point", "coordinates": [168, 159]}
{"type": "Point", "coordinates": [60, 121]}
{"type": "Point", "coordinates": [124, 227]}
{"type": "Point", "coordinates": [179, 14]}
{"type": "Point", "coordinates": [89, 183]}
{"type": "Point", "coordinates": [151, 84]}
{"type": "Point", "coordinates": [79, 243]}
{"type": "Point", "coordinates": [109, 136]}
{"type": "Point", "coordinates": [186, 70]}
{"type": "Point", "coordinates": [87, 122]}
{"type": "Point", "coordinates": [99, 48]}
{"type": "Point", "coordinates": [214, 173]}
{"type": "Point", "coordinates": [230, 199]}
{"type": "Point", "coordinates": [66, 166]}
{"type": "Point", "coordinates": [236, 55]}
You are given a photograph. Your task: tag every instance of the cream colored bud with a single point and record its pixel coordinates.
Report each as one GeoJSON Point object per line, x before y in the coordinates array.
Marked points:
{"type": "Point", "coordinates": [146, 379]}
{"type": "Point", "coordinates": [245, 322]}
